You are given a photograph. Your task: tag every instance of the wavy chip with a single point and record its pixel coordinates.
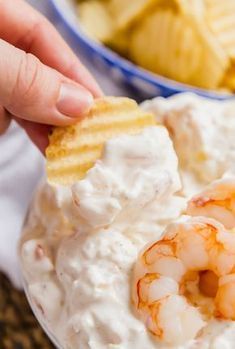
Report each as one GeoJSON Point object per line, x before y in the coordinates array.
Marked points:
{"type": "Point", "coordinates": [125, 12]}
{"type": "Point", "coordinates": [172, 47]}
{"type": "Point", "coordinates": [73, 150]}
{"type": "Point", "coordinates": [96, 19]}
{"type": "Point", "coordinates": [195, 8]}
{"type": "Point", "coordinates": [229, 79]}
{"type": "Point", "coordinates": [214, 63]}
{"type": "Point", "coordinates": [220, 16]}
{"type": "Point", "coordinates": [179, 47]}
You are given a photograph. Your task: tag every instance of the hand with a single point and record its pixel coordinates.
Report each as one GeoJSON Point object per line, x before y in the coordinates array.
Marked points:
{"type": "Point", "coordinates": [42, 82]}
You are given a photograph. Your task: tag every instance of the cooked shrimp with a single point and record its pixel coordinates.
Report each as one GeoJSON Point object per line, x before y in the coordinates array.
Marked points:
{"type": "Point", "coordinates": [216, 201]}
{"type": "Point", "coordinates": [225, 300]}
{"type": "Point", "coordinates": [186, 278]}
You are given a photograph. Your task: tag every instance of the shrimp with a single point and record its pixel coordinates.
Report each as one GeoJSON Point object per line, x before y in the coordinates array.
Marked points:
{"type": "Point", "coordinates": [216, 201]}
{"type": "Point", "coordinates": [185, 279]}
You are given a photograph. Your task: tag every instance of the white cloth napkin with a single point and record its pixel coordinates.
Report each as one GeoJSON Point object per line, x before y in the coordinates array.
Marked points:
{"type": "Point", "coordinates": [21, 166]}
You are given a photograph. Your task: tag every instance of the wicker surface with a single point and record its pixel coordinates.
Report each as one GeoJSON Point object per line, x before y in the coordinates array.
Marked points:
{"type": "Point", "coordinates": [18, 327]}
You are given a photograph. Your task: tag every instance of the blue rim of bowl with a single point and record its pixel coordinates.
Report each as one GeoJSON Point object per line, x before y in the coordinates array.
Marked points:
{"type": "Point", "coordinates": [128, 67]}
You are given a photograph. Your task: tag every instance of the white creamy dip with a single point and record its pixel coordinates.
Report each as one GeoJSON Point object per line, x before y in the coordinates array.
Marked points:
{"type": "Point", "coordinates": [203, 134]}
{"type": "Point", "coordinates": [134, 175]}
{"type": "Point", "coordinates": [80, 243]}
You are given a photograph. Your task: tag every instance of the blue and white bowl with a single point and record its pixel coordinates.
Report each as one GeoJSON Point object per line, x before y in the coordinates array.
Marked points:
{"type": "Point", "coordinates": [118, 68]}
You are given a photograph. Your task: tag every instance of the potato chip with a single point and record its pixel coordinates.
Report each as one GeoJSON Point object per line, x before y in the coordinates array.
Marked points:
{"type": "Point", "coordinates": [214, 20]}
{"type": "Point", "coordinates": [229, 79]}
{"type": "Point", "coordinates": [99, 23]}
{"type": "Point", "coordinates": [194, 8]}
{"type": "Point", "coordinates": [125, 12]}
{"type": "Point", "coordinates": [220, 16]}
{"type": "Point", "coordinates": [172, 48]}
{"type": "Point", "coordinates": [73, 150]}
{"type": "Point", "coordinates": [125, 15]}
{"type": "Point", "coordinates": [179, 46]}
{"type": "Point", "coordinates": [191, 41]}
{"type": "Point", "coordinates": [214, 62]}
{"type": "Point", "coordinates": [96, 19]}
{"type": "Point", "coordinates": [119, 41]}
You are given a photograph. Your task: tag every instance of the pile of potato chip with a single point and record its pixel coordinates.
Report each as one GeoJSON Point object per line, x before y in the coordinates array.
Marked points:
{"type": "Point", "coordinates": [192, 41]}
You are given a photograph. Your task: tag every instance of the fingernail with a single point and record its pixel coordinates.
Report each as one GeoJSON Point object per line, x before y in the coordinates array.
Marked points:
{"type": "Point", "coordinates": [73, 100]}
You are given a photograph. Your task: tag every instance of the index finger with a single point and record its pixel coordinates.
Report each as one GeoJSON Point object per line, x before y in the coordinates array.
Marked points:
{"type": "Point", "coordinates": [25, 28]}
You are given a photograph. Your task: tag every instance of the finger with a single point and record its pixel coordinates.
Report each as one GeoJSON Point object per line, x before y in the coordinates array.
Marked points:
{"type": "Point", "coordinates": [30, 89]}
{"type": "Point", "coordinates": [25, 28]}
{"type": "Point", "coordinates": [5, 120]}
{"type": "Point", "coordinates": [38, 133]}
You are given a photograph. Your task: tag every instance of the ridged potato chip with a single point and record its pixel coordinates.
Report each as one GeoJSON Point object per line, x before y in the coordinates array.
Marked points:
{"type": "Point", "coordinates": [125, 12]}
{"type": "Point", "coordinates": [73, 150]}
{"type": "Point", "coordinates": [220, 16]}
{"type": "Point", "coordinates": [229, 79]}
{"type": "Point", "coordinates": [194, 8]}
{"type": "Point", "coordinates": [119, 41]}
{"type": "Point", "coordinates": [124, 15]}
{"type": "Point", "coordinates": [96, 19]}
{"type": "Point", "coordinates": [172, 47]}
{"type": "Point", "coordinates": [214, 62]}
{"type": "Point", "coordinates": [179, 47]}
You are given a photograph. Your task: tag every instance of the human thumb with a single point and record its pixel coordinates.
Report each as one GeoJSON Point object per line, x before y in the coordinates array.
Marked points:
{"type": "Point", "coordinates": [33, 91]}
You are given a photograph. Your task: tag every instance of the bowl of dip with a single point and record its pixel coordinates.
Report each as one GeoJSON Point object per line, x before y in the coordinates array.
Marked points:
{"type": "Point", "coordinates": [78, 250]}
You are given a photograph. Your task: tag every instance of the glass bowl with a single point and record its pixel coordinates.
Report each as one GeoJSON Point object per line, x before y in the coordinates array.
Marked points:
{"type": "Point", "coordinates": [32, 305]}
{"type": "Point", "coordinates": [39, 318]}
